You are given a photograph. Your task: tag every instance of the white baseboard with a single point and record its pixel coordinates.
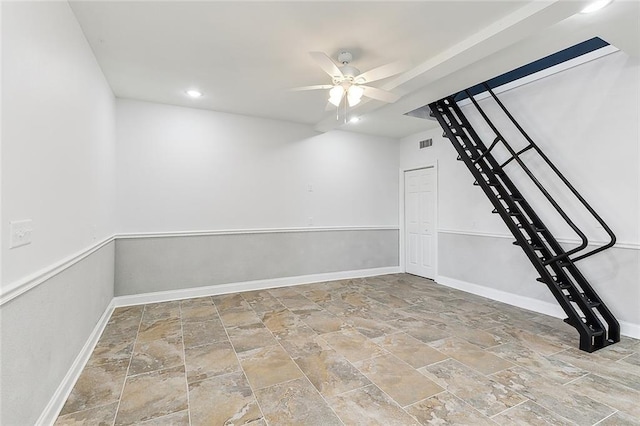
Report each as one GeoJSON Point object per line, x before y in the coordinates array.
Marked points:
{"type": "Point", "coordinates": [164, 296]}
{"type": "Point", "coordinates": [52, 410]}
{"type": "Point", "coordinates": [626, 328]}
{"type": "Point", "coordinates": [524, 302]}
{"type": "Point", "coordinates": [630, 329]}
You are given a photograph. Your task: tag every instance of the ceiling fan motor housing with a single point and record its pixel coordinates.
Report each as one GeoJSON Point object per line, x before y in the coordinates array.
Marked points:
{"type": "Point", "coordinates": [345, 57]}
{"type": "Point", "coordinates": [349, 72]}
{"type": "Point", "coordinates": [347, 80]}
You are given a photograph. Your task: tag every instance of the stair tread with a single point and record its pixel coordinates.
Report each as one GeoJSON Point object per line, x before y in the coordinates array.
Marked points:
{"type": "Point", "coordinates": [589, 302]}
{"type": "Point", "coordinates": [488, 182]}
{"type": "Point", "coordinates": [509, 212]}
{"type": "Point", "coordinates": [561, 285]}
{"type": "Point", "coordinates": [535, 247]}
{"type": "Point", "coordinates": [517, 199]}
{"type": "Point", "coordinates": [593, 332]}
{"type": "Point", "coordinates": [521, 226]}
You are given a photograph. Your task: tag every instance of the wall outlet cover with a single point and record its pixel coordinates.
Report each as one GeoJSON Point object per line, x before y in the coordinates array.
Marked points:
{"type": "Point", "coordinates": [20, 233]}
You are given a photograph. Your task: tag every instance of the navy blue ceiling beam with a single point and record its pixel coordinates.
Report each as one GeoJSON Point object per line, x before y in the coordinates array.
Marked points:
{"type": "Point", "coordinates": [537, 66]}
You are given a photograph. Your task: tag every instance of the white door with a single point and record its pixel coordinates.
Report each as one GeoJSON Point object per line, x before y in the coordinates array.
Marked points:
{"type": "Point", "coordinates": [419, 222]}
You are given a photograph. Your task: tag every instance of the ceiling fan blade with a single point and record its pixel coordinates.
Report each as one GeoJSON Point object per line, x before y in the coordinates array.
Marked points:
{"type": "Point", "coordinates": [379, 94]}
{"type": "Point", "coordinates": [383, 71]}
{"type": "Point", "coordinates": [326, 64]}
{"type": "Point", "coordinates": [316, 87]}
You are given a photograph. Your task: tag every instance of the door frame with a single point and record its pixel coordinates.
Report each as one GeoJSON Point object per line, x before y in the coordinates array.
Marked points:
{"type": "Point", "coordinates": [403, 266]}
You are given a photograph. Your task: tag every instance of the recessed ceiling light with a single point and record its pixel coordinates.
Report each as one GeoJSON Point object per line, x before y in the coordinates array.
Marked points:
{"type": "Point", "coordinates": [595, 6]}
{"type": "Point", "coordinates": [194, 93]}
{"type": "Point", "coordinates": [354, 119]}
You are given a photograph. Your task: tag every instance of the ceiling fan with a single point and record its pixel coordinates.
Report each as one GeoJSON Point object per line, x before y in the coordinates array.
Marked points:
{"type": "Point", "coordinates": [348, 82]}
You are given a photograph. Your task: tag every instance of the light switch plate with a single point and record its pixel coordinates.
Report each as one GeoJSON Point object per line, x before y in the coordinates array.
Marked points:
{"type": "Point", "coordinates": [20, 233]}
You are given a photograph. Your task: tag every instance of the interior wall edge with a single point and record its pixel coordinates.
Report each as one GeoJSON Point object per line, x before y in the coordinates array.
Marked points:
{"type": "Point", "coordinates": [149, 265]}
{"type": "Point", "coordinates": [22, 285]}
{"type": "Point", "coordinates": [57, 401]}
{"type": "Point", "coordinates": [25, 284]}
{"type": "Point", "coordinates": [626, 328]}
{"type": "Point", "coordinates": [497, 264]}
{"type": "Point", "coordinates": [52, 324]}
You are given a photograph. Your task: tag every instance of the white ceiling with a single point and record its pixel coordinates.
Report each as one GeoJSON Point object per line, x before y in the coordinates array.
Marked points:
{"type": "Point", "coordinates": [245, 55]}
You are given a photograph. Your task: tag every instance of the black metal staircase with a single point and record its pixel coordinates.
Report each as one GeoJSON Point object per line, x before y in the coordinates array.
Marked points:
{"type": "Point", "coordinates": [585, 310]}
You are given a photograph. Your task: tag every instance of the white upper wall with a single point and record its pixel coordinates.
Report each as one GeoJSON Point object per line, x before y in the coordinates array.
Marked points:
{"type": "Point", "coordinates": [184, 169]}
{"type": "Point", "coordinates": [58, 127]}
{"type": "Point", "coordinates": [585, 119]}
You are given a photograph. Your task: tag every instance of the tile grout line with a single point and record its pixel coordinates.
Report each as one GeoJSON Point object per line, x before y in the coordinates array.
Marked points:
{"type": "Point", "coordinates": [625, 357]}
{"type": "Point", "coordinates": [356, 288]}
{"type": "Point", "coordinates": [553, 410]}
{"type": "Point", "coordinates": [399, 359]}
{"type": "Point", "coordinates": [184, 361]}
{"type": "Point", "coordinates": [556, 353]}
{"type": "Point", "coordinates": [473, 368]}
{"type": "Point", "coordinates": [372, 383]}
{"type": "Point", "coordinates": [194, 322]}
{"type": "Point", "coordinates": [85, 409]}
{"type": "Point", "coordinates": [593, 398]}
{"type": "Point", "coordinates": [602, 420]}
{"type": "Point", "coordinates": [476, 410]}
{"type": "Point", "coordinates": [444, 390]}
{"type": "Point", "coordinates": [490, 377]}
{"type": "Point", "coordinates": [509, 408]}
{"type": "Point", "coordinates": [429, 397]}
{"type": "Point", "coordinates": [244, 374]}
{"type": "Point", "coordinates": [586, 373]}
{"type": "Point", "coordinates": [289, 355]}
{"type": "Point", "coordinates": [319, 393]}
{"type": "Point", "coordinates": [133, 349]}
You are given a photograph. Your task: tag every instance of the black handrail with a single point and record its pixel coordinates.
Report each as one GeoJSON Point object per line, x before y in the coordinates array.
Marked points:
{"type": "Point", "coordinates": [585, 310]}
{"type": "Point", "coordinates": [523, 150]}
{"type": "Point", "coordinates": [493, 144]}
{"type": "Point", "coordinates": [514, 155]}
{"type": "Point", "coordinates": [564, 180]}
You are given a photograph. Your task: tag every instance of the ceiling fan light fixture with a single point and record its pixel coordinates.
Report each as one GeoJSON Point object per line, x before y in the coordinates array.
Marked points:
{"type": "Point", "coordinates": [348, 82]}
{"type": "Point", "coordinates": [354, 95]}
{"type": "Point", "coordinates": [335, 95]}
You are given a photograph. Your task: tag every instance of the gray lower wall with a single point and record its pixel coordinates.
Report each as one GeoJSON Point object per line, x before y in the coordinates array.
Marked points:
{"type": "Point", "coordinates": [145, 265]}
{"type": "Point", "coordinates": [44, 330]}
{"type": "Point", "coordinates": [496, 263]}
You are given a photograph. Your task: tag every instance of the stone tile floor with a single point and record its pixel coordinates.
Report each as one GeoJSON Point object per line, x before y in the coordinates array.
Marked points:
{"type": "Point", "coordinates": [386, 350]}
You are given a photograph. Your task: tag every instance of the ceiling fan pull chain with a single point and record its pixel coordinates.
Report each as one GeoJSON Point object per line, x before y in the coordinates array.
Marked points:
{"type": "Point", "coordinates": [345, 110]}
